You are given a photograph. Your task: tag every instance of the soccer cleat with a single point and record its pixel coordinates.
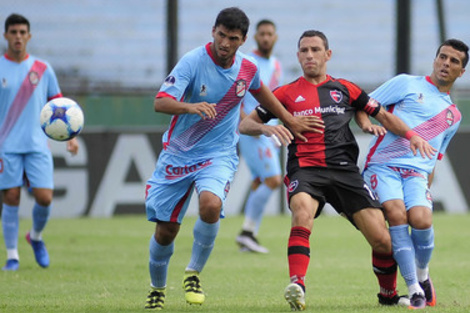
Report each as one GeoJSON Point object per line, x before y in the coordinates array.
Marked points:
{"type": "Point", "coordinates": [395, 300]}
{"type": "Point", "coordinates": [40, 251]}
{"type": "Point", "coordinates": [429, 292]}
{"type": "Point", "coordinates": [11, 265]}
{"type": "Point", "coordinates": [247, 240]}
{"type": "Point", "coordinates": [417, 301]}
{"type": "Point", "coordinates": [295, 296]}
{"type": "Point", "coordinates": [192, 288]}
{"type": "Point", "coordinates": [156, 299]}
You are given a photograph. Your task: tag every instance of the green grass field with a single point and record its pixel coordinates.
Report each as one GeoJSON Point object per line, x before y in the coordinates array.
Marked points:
{"type": "Point", "coordinates": [101, 265]}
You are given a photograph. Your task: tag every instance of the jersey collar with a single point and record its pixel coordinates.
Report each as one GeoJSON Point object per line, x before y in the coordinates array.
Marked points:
{"type": "Point", "coordinates": [428, 78]}
{"type": "Point", "coordinates": [8, 58]}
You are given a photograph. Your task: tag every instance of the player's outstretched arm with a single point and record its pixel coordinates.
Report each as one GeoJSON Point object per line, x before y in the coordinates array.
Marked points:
{"type": "Point", "coordinates": [252, 125]}
{"type": "Point", "coordinates": [394, 124]}
{"type": "Point", "coordinates": [363, 121]}
{"type": "Point", "coordinates": [297, 126]}
{"type": "Point", "coordinates": [171, 106]}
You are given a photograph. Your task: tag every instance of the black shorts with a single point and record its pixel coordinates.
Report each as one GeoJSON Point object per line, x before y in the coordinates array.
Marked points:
{"type": "Point", "coordinates": [346, 191]}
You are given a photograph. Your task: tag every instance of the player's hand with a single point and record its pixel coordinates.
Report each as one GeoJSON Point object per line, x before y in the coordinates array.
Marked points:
{"type": "Point", "coordinates": [425, 149]}
{"type": "Point", "coordinates": [72, 146]}
{"type": "Point", "coordinates": [203, 109]}
{"type": "Point", "coordinates": [375, 130]}
{"type": "Point", "coordinates": [279, 134]}
{"type": "Point", "coordinates": [304, 124]}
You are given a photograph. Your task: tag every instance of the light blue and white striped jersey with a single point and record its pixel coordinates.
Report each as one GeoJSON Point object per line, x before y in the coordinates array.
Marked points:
{"type": "Point", "coordinates": [426, 110]}
{"type": "Point", "coordinates": [196, 78]}
{"type": "Point", "coordinates": [25, 88]}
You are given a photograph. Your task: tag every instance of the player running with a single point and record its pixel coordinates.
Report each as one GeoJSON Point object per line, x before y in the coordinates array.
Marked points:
{"type": "Point", "coordinates": [203, 93]}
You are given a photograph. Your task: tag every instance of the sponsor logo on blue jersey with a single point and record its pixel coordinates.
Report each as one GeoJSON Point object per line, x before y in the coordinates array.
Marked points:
{"type": "Point", "coordinates": [173, 172]}
{"type": "Point", "coordinates": [169, 81]}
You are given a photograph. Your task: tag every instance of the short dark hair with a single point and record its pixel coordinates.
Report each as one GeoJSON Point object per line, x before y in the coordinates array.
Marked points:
{"type": "Point", "coordinates": [265, 22]}
{"type": "Point", "coordinates": [233, 18]}
{"type": "Point", "coordinates": [457, 45]}
{"type": "Point", "coordinates": [14, 19]}
{"type": "Point", "coordinates": [315, 33]}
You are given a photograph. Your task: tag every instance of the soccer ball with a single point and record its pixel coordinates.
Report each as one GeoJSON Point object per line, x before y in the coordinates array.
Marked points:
{"type": "Point", "coordinates": [61, 119]}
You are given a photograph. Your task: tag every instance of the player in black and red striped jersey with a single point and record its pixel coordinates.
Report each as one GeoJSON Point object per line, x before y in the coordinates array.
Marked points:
{"type": "Point", "coordinates": [323, 169]}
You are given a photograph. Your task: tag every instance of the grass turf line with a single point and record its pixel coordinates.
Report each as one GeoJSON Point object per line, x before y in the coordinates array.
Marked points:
{"type": "Point", "coordinates": [101, 265]}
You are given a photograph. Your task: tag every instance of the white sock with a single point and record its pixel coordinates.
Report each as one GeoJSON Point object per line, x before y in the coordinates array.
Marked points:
{"type": "Point", "coordinates": [12, 254]}
{"type": "Point", "coordinates": [35, 235]}
{"type": "Point", "coordinates": [249, 225]}
{"type": "Point", "coordinates": [423, 273]}
{"type": "Point", "coordinates": [415, 288]}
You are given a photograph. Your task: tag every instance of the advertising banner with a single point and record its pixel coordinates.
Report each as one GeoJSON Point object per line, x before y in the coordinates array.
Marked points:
{"type": "Point", "coordinates": [109, 174]}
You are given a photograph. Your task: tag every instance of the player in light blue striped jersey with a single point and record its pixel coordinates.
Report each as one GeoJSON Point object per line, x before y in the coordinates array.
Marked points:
{"type": "Point", "coordinates": [401, 180]}
{"type": "Point", "coordinates": [203, 92]}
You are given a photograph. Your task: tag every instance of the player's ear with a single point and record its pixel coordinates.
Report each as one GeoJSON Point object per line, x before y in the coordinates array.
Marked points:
{"type": "Point", "coordinates": [329, 53]}
{"type": "Point", "coordinates": [461, 72]}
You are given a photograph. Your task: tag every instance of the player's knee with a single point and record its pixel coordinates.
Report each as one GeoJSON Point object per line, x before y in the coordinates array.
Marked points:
{"type": "Point", "coordinates": [421, 224]}
{"type": "Point", "coordinates": [165, 233]}
{"type": "Point", "coordinates": [273, 182]}
{"type": "Point", "coordinates": [302, 217]}
{"type": "Point", "coordinates": [12, 196]}
{"type": "Point", "coordinates": [43, 196]}
{"type": "Point", "coordinates": [420, 217]}
{"type": "Point", "coordinates": [44, 200]}
{"type": "Point", "coordinates": [396, 217]}
{"type": "Point", "coordinates": [382, 244]}
{"type": "Point", "coordinates": [210, 206]}
{"type": "Point", "coordinates": [210, 214]}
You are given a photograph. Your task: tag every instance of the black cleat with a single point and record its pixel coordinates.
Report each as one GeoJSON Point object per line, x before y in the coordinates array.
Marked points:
{"type": "Point", "coordinates": [395, 300]}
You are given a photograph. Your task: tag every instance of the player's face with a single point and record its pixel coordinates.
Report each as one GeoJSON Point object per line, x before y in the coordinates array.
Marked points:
{"type": "Point", "coordinates": [225, 45]}
{"type": "Point", "coordinates": [448, 66]}
{"type": "Point", "coordinates": [266, 38]}
{"type": "Point", "coordinates": [313, 56]}
{"type": "Point", "coordinates": [17, 36]}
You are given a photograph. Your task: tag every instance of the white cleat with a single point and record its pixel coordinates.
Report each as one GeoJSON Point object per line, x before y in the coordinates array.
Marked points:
{"type": "Point", "coordinates": [251, 244]}
{"type": "Point", "coordinates": [295, 296]}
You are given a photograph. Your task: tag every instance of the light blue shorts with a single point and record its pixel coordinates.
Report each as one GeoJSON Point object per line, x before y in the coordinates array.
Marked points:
{"type": "Point", "coordinates": [169, 190]}
{"type": "Point", "coordinates": [391, 183]}
{"type": "Point", "coordinates": [34, 169]}
{"type": "Point", "coordinates": [261, 156]}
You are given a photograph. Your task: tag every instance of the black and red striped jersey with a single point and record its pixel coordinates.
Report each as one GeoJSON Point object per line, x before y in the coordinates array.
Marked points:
{"type": "Point", "coordinates": [335, 101]}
